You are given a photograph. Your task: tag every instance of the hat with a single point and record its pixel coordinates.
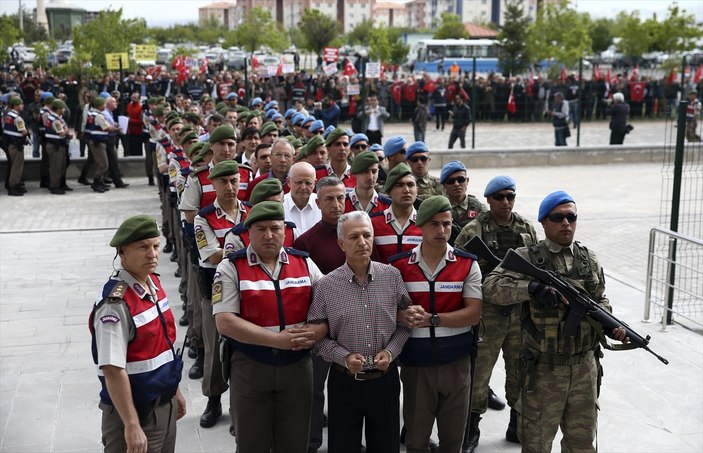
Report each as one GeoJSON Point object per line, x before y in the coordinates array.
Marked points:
{"type": "Point", "coordinates": [266, 210]}
{"type": "Point", "coordinates": [551, 201]}
{"type": "Point", "coordinates": [264, 189]}
{"type": "Point", "coordinates": [307, 119]}
{"type": "Point", "coordinates": [399, 171]}
{"type": "Point", "coordinates": [310, 146]}
{"type": "Point", "coordinates": [104, 94]}
{"type": "Point", "coordinates": [270, 113]}
{"type": "Point", "coordinates": [46, 94]}
{"type": "Point", "coordinates": [298, 118]}
{"type": "Point", "coordinates": [201, 155]}
{"type": "Point", "coordinates": [276, 116]}
{"type": "Point", "coordinates": [271, 105]}
{"type": "Point", "coordinates": [289, 114]}
{"type": "Point", "coordinates": [451, 167]}
{"type": "Point", "coordinates": [295, 141]}
{"type": "Point", "coordinates": [173, 121]}
{"type": "Point", "coordinates": [499, 183]}
{"type": "Point", "coordinates": [225, 168]}
{"type": "Point", "coordinates": [334, 135]}
{"type": "Point", "coordinates": [135, 229]}
{"type": "Point", "coordinates": [431, 206]}
{"type": "Point", "coordinates": [222, 133]}
{"type": "Point", "coordinates": [362, 161]}
{"type": "Point", "coordinates": [221, 104]}
{"type": "Point", "coordinates": [188, 135]}
{"type": "Point", "coordinates": [255, 101]}
{"type": "Point", "coordinates": [358, 138]}
{"type": "Point", "coordinates": [205, 99]}
{"type": "Point", "coordinates": [15, 101]}
{"type": "Point", "coordinates": [58, 104]}
{"type": "Point", "coordinates": [50, 99]}
{"type": "Point", "coordinates": [394, 145]}
{"type": "Point", "coordinates": [241, 108]}
{"type": "Point", "coordinates": [268, 127]}
{"type": "Point", "coordinates": [152, 100]}
{"type": "Point", "coordinates": [98, 102]}
{"type": "Point", "coordinates": [376, 147]}
{"type": "Point", "coordinates": [173, 114]}
{"type": "Point", "coordinates": [195, 147]}
{"type": "Point", "coordinates": [328, 131]}
{"type": "Point", "coordinates": [417, 147]}
{"type": "Point", "coordinates": [159, 111]}
{"type": "Point", "coordinates": [232, 96]}
{"type": "Point", "coordinates": [317, 125]}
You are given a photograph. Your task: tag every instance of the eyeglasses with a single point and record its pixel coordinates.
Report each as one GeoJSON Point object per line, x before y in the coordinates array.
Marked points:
{"type": "Point", "coordinates": [459, 179]}
{"type": "Point", "coordinates": [558, 218]}
{"type": "Point", "coordinates": [423, 159]}
{"type": "Point", "coordinates": [362, 146]}
{"type": "Point", "coordinates": [282, 156]}
{"type": "Point", "coordinates": [503, 196]}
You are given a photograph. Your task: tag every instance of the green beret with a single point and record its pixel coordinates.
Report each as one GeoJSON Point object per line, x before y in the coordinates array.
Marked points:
{"type": "Point", "coordinates": [219, 105]}
{"type": "Point", "coordinates": [334, 135]}
{"type": "Point", "coordinates": [268, 127]}
{"type": "Point", "coordinates": [225, 168]}
{"type": "Point", "coordinates": [201, 155]}
{"type": "Point", "coordinates": [173, 121]}
{"type": "Point", "coordinates": [58, 104]}
{"type": "Point", "coordinates": [265, 189]}
{"type": "Point", "coordinates": [266, 210]}
{"type": "Point", "coordinates": [172, 114]}
{"type": "Point", "coordinates": [244, 117]}
{"type": "Point", "coordinates": [205, 99]}
{"type": "Point", "coordinates": [222, 133]}
{"type": "Point", "coordinates": [189, 135]}
{"type": "Point", "coordinates": [311, 146]}
{"type": "Point", "coordinates": [135, 229]}
{"type": "Point", "coordinates": [192, 117]}
{"type": "Point", "coordinates": [98, 102]}
{"type": "Point", "coordinates": [152, 101]}
{"type": "Point", "coordinates": [223, 110]}
{"type": "Point", "coordinates": [241, 109]}
{"type": "Point", "coordinates": [187, 128]}
{"type": "Point", "coordinates": [51, 99]}
{"type": "Point", "coordinates": [15, 101]}
{"type": "Point", "coordinates": [399, 171]}
{"type": "Point", "coordinates": [195, 147]}
{"type": "Point", "coordinates": [431, 206]}
{"type": "Point", "coordinates": [362, 161]}
{"type": "Point", "coordinates": [296, 142]}
{"type": "Point", "coordinates": [159, 111]}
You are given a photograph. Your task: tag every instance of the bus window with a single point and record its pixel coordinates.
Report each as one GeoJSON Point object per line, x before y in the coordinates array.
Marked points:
{"type": "Point", "coordinates": [435, 52]}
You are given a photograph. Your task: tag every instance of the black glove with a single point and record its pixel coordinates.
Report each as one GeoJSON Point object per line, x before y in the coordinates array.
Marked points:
{"type": "Point", "coordinates": [546, 296]}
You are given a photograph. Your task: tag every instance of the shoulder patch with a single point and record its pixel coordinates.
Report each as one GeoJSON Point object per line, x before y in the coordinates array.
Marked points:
{"type": "Point", "coordinates": [463, 254]}
{"type": "Point", "coordinates": [290, 224]}
{"type": "Point", "coordinates": [110, 319]}
{"type": "Point", "coordinates": [241, 253]}
{"type": "Point", "coordinates": [117, 293]}
{"type": "Point", "coordinates": [399, 256]}
{"type": "Point", "coordinates": [207, 210]}
{"type": "Point", "coordinates": [238, 228]}
{"type": "Point", "coordinates": [385, 199]}
{"type": "Point", "coordinates": [292, 251]}
{"type": "Point", "coordinates": [377, 213]}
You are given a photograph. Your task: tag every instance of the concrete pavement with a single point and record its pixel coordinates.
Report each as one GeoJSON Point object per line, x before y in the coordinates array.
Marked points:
{"type": "Point", "coordinates": [54, 259]}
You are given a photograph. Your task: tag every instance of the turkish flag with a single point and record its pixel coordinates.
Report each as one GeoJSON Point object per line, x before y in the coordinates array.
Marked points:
{"type": "Point", "coordinates": [699, 74]}
{"type": "Point", "coordinates": [178, 62]}
{"type": "Point", "coordinates": [254, 63]}
{"type": "Point", "coordinates": [637, 91]}
{"type": "Point", "coordinates": [511, 107]}
{"type": "Point", "coordinates": [349, 69]}
{"type": "Point", "coordinates": [563, 74]}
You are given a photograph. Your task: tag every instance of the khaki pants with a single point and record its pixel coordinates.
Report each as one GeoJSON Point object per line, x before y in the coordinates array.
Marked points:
{"type": "Point", "coordinates": [99, 152]}
{"type": "Point", "coordinates": [57, 163]}
{"type": "Point", "coordinates": [159, 428]}
{"type": "Point", "coordinates": [213, 382]}
{"type": "Point", "coordinates": [15, 153]}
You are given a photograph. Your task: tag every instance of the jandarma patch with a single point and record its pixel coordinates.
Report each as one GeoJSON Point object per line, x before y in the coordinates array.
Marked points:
{"type": "Point", "coordinates": [110, 319]}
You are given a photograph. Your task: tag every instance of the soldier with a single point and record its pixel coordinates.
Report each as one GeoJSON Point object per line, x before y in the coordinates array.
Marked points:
{"type": "Point", "coordinates": [501, 229]}
{"type": "Point", "coordinates": [394, 150]}
{"type": "Point", "coordinates": [559, 375]}
{"type": "Point", "coordinates": [314, 152]}
{"type": "Point", "coordinates": [465, 207]}
{"type": "Point", "coordinates": [98, 128]}
{"type": "Point", "coordinates": [364, 196]}
{"type": "Point", "coordinates": [57, 138]}
{"type": "Point", "coordinates": [337, 144]}
{"type": "Point", "coordinates": [15, 134]}
{"type": "Point", "coordinates": [358, 144]}
{"type": "Point", "coordinates": [418, 159]}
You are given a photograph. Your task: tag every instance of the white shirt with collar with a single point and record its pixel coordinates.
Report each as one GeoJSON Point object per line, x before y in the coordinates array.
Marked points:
{"type": "Point", "coordinates": [304, 218]}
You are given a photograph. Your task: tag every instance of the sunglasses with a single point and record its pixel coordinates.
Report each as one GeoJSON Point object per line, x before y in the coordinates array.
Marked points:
{"type": "Point", "coordinates": [459, 179]}
{"type": "Point", "coordinates": [421, 159]}
{"type": "Point", "coordinates": [558, 218]}
{"type": "Point", "coordinates": [503, 196]}
{"type": "Point", "coordinates": [360, 146]}
{"type": "Point", "coordinates": [306, 127]}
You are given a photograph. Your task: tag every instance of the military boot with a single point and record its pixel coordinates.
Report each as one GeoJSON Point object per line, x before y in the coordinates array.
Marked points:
{"type": "Point", "coordinates": [511, 433]}
{"type": "Point", "coordinates": [472, 434]}
{"type": "Point", "coordinates": [213, 411]}
{"type": "Point", "coordinates": [197, 370]}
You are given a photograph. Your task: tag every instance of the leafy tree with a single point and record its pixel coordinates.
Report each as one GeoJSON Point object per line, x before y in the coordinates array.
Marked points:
{"type": "Point", "coordinates": [635, 38]}
{"type": "Point", "coordinates": [31, 32]}
{"type": "Point", "coordinates": [600, 31]}
{"type": "Point", "coordinates": [107, 33]}
{"type": "Point", "coordinates": [361, 33]}
{"type": "Point", "coordinates": [514, 58]}
{"type": "Point", "coordinates": [385, 45]}
{"type": "Point", "coordinates": [319, 30]}
{"type": "Point", "coordinates": [450, 26]}
{"type": "Point", "coordinates": [259, 29]}
{"type": "Point", "coordinates": [559, 32]}
{"type": "Point", "coordinates": [9, 35]}
{"type": "Point", "coordinates": [41, 52]}
{"type": "Point", "coordinates": [677, 33]}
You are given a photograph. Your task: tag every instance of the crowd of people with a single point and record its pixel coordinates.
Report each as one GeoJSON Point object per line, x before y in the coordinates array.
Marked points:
{"type": "Point", "coordinates": [310, 253]}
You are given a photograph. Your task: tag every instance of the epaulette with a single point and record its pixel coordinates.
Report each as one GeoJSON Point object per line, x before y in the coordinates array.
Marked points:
{"type": "Point", "coordinates": [385, 199]}
{"type": "Point", "coordinates": [207, 210]}
{"type": "Point", "coordinates": [292, 251]}
{"type": "Point", "coordinates": [117, 292]}
{"type": "Point", "coordinates": [290, 224]}
{"type": "Point", "coordinates": [377, 213]}
{"type": "Point", "coordinates": [241, 253]}
{"type": "Point", "coordinates": [320, 167]}
{"type": "Point", "coordinates": [199, 169]}
{"type": "Point", "coordinates": [186, 171]}
{"type": "Point", "coordinates": [238, 229]}
{"type": "Point", "coordinates": [398, 256]}
{"type": "Point", "coordinates": [245, 166]}
{"type": "Point", "coordinates": [464, 254]}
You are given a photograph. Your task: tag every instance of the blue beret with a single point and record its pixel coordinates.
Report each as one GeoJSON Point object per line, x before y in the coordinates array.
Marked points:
{"type": "Point", "coordinates": [358, 138]}
{"type": "Point", "coordinates": [499, 183]}
{"type": "Point", "coordinates": [394, 145]}
{"type": "Point", "coordinates": [298, 118]}
{"type": "Point", "coordinates": [276, 116]}
{"type": "Point", "coordinates": [316, 125]}
{"type": "Point", "coordinates": [328, 131]}
{"type": "Point", "coordinates": [451, 167]}
{"type": "Point", "coordinates": [417, 147]}
{"type": "Point", "coordinates": [308, 119]}
{"type": "Point", "coordinates": [349, 132]}
{"type": "Point", "coordinates": [289, 113]}
{"type": "Point", "coordinates": [551, 201]}
{"type": "Point", "coordinates": [232, 96]}
{"type": "Point", "coordinates": [270, 113]}
{"type": "Point", "coordinates": [104, 95]}
{"type": "Point", "coordinates": [5, 97]}
{"type": "Point", "coordinates": [271, 105]}
{"type": "Point", "coordinates": [44, 95]}
{"type": "Point", "coordinates": [255, 101]}
{"type": "Point", "coordinates": [375, 147]}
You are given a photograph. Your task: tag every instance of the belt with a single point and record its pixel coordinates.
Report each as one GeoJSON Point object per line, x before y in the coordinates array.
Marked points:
{"type": "Point", "coordinates": [368, 375]}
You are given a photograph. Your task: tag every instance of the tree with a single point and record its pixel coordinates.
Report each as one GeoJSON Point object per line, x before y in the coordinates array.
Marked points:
{"type": "Point", "coordinates": [385, 45]}
{"type": "Point", "coordinates": [559, 32]}
{"type": "Point", "coordinates": [319, 30]}
{"type": "Point", "coordinates": [9, 35]}
{"type": "Point", "coordinates": [635, 39]}
{"type": "Point", "coordinates": [514, 58]}
{"type": "Point", "coordinates": [600, 31]}
{"type": "Point", "coordinates": [361, 33]}
{"type": "Point", "coordinates": [677, 33]}
{"type": "Point", "coordinates": [259, 29]}
{"type": "Point", "coordinates": [107, 33]}
{"type": "Point", "coordinates": [450, 26]}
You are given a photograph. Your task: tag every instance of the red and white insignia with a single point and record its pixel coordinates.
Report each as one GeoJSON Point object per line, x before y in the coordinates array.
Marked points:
{"type": "Point", "coordinates": [110, 319]}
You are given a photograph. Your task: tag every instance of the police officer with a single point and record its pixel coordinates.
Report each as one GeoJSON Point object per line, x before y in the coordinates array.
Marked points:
{"type": "Point", "coordinates": [133, 332]}
{"type": "Point", "coordinates": [15, 135]}
{"type": "Point", "coordinates": [57, 138]}
{"type": "Point", "coordinates": [559, 374]}
{"type": "Point", "coordinates": [98, 129]}
{"type": "Point", "coordinates": [501, 229]}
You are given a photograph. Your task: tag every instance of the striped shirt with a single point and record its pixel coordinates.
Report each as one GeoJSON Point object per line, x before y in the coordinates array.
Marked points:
{"type": "Point", "coordinates": [361, 318]}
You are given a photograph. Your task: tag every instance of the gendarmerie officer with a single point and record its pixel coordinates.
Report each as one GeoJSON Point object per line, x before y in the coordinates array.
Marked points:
{"type": "Point", "coordinates": [15, 136]}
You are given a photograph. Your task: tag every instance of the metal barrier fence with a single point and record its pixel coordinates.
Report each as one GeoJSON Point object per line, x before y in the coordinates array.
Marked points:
{"type": "Point", "coordinates": [674, 279]}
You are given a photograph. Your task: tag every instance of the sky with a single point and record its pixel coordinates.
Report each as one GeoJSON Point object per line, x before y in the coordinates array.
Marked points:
{"type": "Point", "coordinates": [169, 12]}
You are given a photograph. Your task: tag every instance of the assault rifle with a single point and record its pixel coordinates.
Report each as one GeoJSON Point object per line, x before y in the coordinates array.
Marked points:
{"type": "Point", "coordinates": [580, 303]}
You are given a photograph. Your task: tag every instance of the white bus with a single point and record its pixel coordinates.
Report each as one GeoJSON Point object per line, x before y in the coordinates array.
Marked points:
{"type": "Point", "coordinates": [429, 53]}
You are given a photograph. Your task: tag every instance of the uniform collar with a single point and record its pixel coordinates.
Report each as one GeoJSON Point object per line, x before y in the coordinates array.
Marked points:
{"type": "Point", "coordinates": [137, 287]}
{"type": "Point", "coordinates": [354, 198]}
{"type": "Point", "coordinates": [346, 174]}
{"type": "Point", "coordinates": [390, 215]}
{"type": "Point", "coordinates": [557, 248]}
{"type": "Point", "coordinates": [463, 204]}
{"type": "Point", "coordinates": [416, 254]}
{"type": "Point", "coordinates": [253, 258]}
{"type": "Point", "coordinates": [219, 212]}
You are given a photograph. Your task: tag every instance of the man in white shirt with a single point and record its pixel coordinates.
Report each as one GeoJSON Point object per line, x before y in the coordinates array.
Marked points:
{"type": "Point", "coordinates": [299, 204]}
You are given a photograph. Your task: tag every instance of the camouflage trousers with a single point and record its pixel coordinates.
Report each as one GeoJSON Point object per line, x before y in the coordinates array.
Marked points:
{"type": "Point", "coordinates": [498, 332]}
{"type": "Point", "coordinates": [563, 397]}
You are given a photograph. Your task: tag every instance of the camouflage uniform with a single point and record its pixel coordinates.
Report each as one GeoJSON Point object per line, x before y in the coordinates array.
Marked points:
{"type": "Point", "coordinates": [558, 375]}
{"type": "Point", "coordinates": [500, 323]}
{"type": "Point", "coordinates": [466, 211]}
{"type": "Point", "coordinates": [428, 186]}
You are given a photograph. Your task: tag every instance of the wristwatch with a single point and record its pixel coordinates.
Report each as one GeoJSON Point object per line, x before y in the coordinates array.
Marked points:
{"type": "Point", "coordinates": [434, 320]}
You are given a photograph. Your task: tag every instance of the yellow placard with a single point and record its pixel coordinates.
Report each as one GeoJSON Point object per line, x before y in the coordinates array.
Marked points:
{"type": "Point", "coordinates": [144, 52]}
{"type": "Point", "coordinates": [112, 61]}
